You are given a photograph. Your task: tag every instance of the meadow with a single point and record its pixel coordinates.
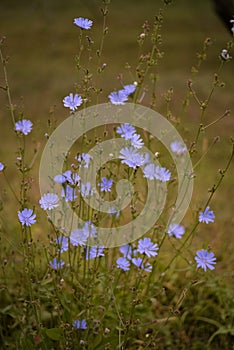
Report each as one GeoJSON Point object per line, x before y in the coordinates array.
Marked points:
{"type": "Point", "coordinates": [165, 300]}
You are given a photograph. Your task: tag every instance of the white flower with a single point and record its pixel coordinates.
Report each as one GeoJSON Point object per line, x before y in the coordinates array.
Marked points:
{"type": "Point", "coordinates": [232, 22]}
{"type": "Point", "coordinates": [225, 55]}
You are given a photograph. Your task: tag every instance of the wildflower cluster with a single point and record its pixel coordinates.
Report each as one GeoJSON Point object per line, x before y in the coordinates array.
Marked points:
{"type": "Point", "coordinates": [204, 258]}
{"type": "Point", "coordinates": [78, 237]}
{"type": "Point", "coordinates": [146, 248]}
{"type": "Point", "coordinates": [131, 156]}
{"type": "Point", "coordinates": [121, 96]}
{"type": "Point", "coordinates": [76, 271]}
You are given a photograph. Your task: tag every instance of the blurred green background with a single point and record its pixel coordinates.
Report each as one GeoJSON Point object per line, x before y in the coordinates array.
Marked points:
{"type": "Point", "coordinates": [42, 41]}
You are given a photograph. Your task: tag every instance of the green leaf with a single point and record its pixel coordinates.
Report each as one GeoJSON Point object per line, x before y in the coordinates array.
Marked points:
{"type": "Point", "coordinates": [113, 340]}
{"type": "Point", "coordinates": [222, 331]}
{"type": "Point", "coordinates": [54, 333]}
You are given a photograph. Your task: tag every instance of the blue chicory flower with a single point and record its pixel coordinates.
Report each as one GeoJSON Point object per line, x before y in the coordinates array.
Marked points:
{"type": "Point", "coordinates": [126, 250]}
{"type": "Point", "coordinates": [207, 216]}
{"type": "Point", "coordinates": [80, 324]}
{"type": "Point", "coordinates": [84, 159]}
{"type": "Point", "coordinates": [105, 185]}
{"type": "Point", "coordinates": [57, 264]}
{"type": "Point", "coordinates": [126, 131]}
{"type": "Point", "coordinates": [205, 259]}
{"type": "Point", "coordinates": [131, 157]}
{"type": "Point", "coordinates": [72, 102]}
{"type": "Point", "coordinates": [69, 193]}
{"type": "Point", "coordinates": [86, 190]}
{"type": "Point", "coordinates": [136, 141]}
{"type": "Point", "coordinates": [149, 171]}
{"type": "Point", "coordinates": [68, 176]}
{"type": "Point", "coordinates": [177, 147]}
{"type": "Point", "coordinates": [2, 166]}
{"type": "Point", "coordinates": [147, 247]}
{"type": "Point", "coordinates": [49, 201]}
{"type": "Point", "coordinates": [63, 243]}
{"type": "Point", "coordinates": [83, 23]}
{"type": "Point", "coordinates": [89, 229]}
{"type": "Point", "coordinates": [78, 237]}
{"type": "Point", "coordinates": [26, 217]}
{"type": "Point", "coordinates": [176, 230]}
{"type": "Point", "coordinates": [123, 263]}
{"type": "Point", "coordinates": [118, 98]}
{"type": "Point", "coordinates": [94, 252]}
{"type": "Point", "coordinates": [162, 174]}
{"type": "Point", "coordinates": [139, 263]}
{"type": "Point", "coordinates": [24, 126]}
{"type": "Point", "coordinates": [114, 211]}
{"type": "Point", "coordinates": [129, 89]}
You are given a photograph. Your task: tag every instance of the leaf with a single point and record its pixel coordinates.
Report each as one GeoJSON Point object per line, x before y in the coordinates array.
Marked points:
{"type": "Point", "coordinates": [221, 330]}
{"type": "Point", "coordinates": [5, 309]}
{"type": "Point", "coordinates": [113, 340]}
{"type": "Point", "coordinates": [54, 333]}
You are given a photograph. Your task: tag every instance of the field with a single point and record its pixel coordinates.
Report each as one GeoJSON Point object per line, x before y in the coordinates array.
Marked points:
{"type": "Point", "coordinates": [42, 44]}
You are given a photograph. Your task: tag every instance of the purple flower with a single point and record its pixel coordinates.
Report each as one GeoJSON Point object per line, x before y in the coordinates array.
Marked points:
{"type": "Point", "coordinates": [129, 89]}
{"type": "Point", "coordinates": [2, 166]}
{"type": "Point", "coordinates": [123, 263]}
{"type": "Point", "coordinates": [114, 211]}
{"type": "Point", "coordinates": [136, 141]}
{"type": "Point", "coordinates": [176, 230]}
{"type": "Point", "coordinates": [162, 174]}
{"type": "Point", "coordinates": [139, 263]}
{"type": "Point", "coordinates": [149, 171]}
{"type": "Point", "coordinates": [78, 237]}
{"type": "Point", "coordinates": [69, 177]}
{"type": "Point", "coordinates": [118, 98]}
{"type": "Point", "coordinates": [145, 158]}
{"type": "Point", "coordinates": [205, 259]}
{"type": "Point", "coordinates": [147, 247]}
{"type": "Point", "coordinates": [177, 147]}
{"type": "Point", "coordinates": [69, 193]}
{"type": "Point", "coordinates": [63, 243]}
{"type": "Point", "coordinates": [24, 126]}
{"type": "Point", "coordinates": [26, 217]}
{"type": "Point", "coordinates": [72, 102]}
{"type": "Point", "coordinates": [94, 252]}
{"type": "Point", "coordinates": [84, 159]}
{"type": "Point", "coordinates": [80, 324]}
{"type": "Point", "coordinates": [60, 178]}
{"type": "Point", "coordinates": [86, 190]}
{"type": "Point", "coordinates": [207, 216]}
{"type": "Point", "coordinates": [126, 250]}
{"type": "Point", "coordinates": [89, 229]}
{"type": "Point", "coordinates": [83, 23]}
{"type": "Point", "coordinates": [49, 201]}
{"type": "Point", "coordinates": [131, 157]}
{"type": "Point", "coordinates": [57, 264]}
{"type": "Point", "coordinates": [105, 185]}
{"type": "Point", "coordinates": [126, 131]}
